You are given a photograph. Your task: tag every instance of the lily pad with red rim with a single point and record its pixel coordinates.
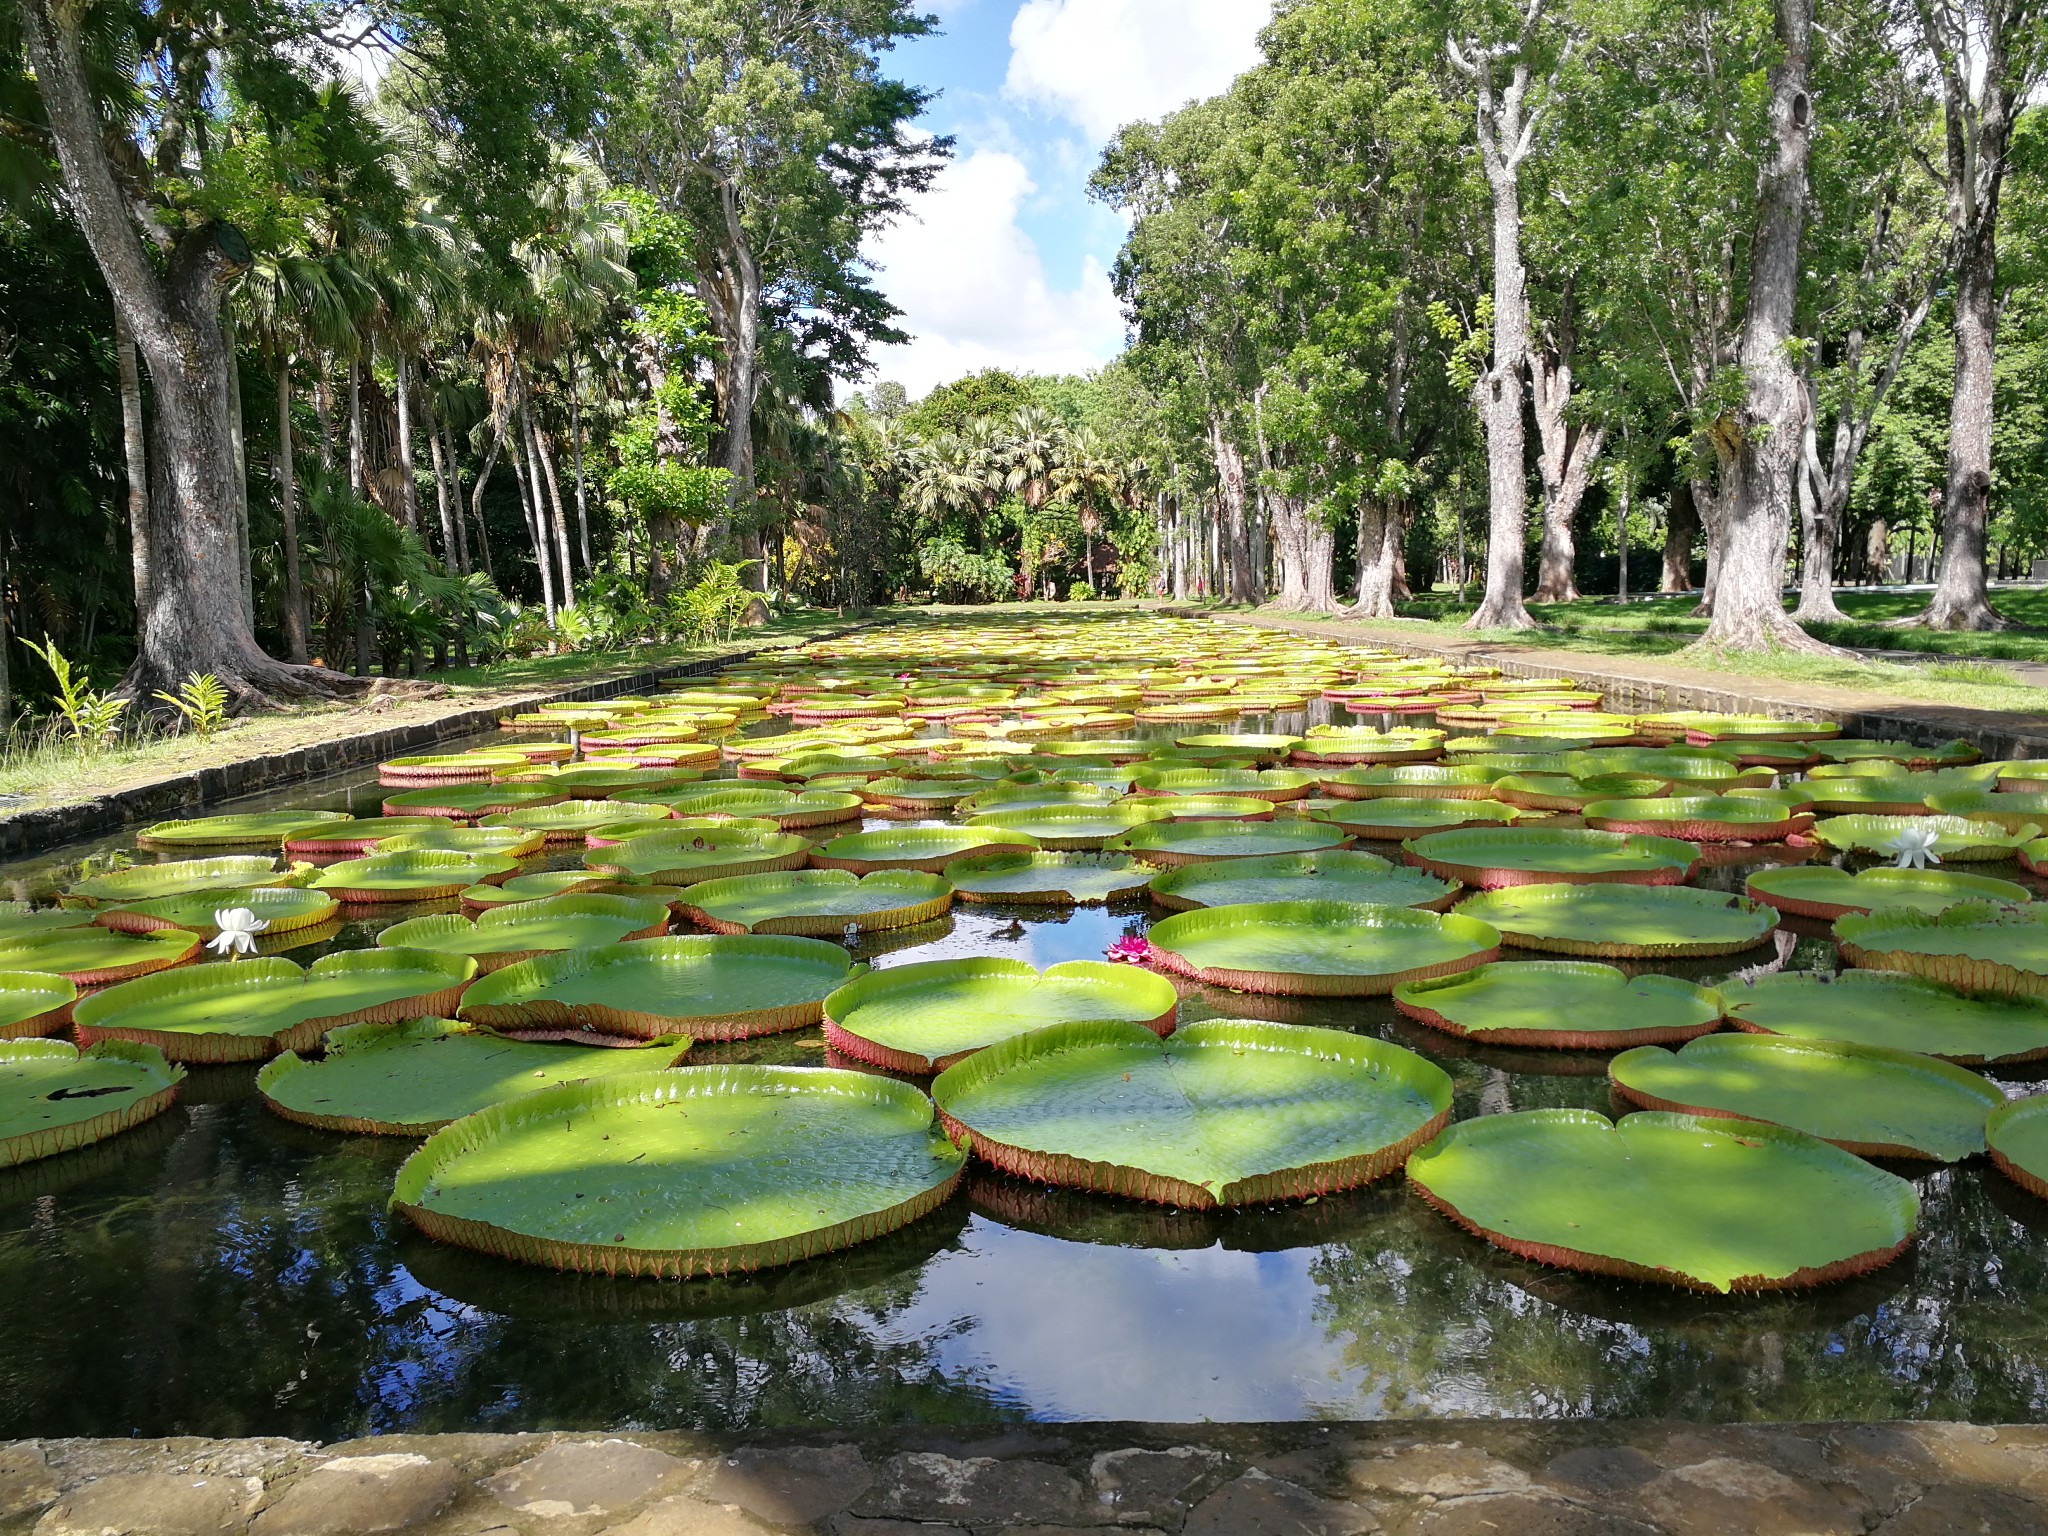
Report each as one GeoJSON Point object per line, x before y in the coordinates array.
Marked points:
{"type": "Point", "coordinates": [1318, 948]}
{"type": "Point", "coordinates": [1048, 879]}
{"type": "Point", "coordinates": [55, 1098]}
{"type": "Point", "coordinates": [566, 821]}
{"type": "Point", "coordinates": [1487, 859]}
{"type": "Point", "coordinates": [34, 1004]}
{"type": "Point", "coordinates": [689, 854]}
{"type": "Point", "coordinates": [1825, 892]}
{"type": "Point", "coordinates": [1226, 1112]}
{"type": "Point", "coordinates": [281, 908]}
{"type": "Point", "coordinates": [1610, 922]}
{"type": "Point", "coordinates": [821, 903]}
{"type": "Point", "coordinates": [1974, 945]}
{"type": "Point", "coordinates": [1957, 839]}
{"type": "Point", "coordinates": [250, 829]}
{"type": "Point", "coordinates": [358, 834]}
{"type": "Point", "coordinates": [1393, 821]}
{"type": "Point", "coordinates": [465, 802]}
{"type": "Point", "coordinates": [1700, 818]}
{"type": "Point", "coordinates": [1073, 828]}
{"type": "Point", "coordinates": [2017, 1135]}
{"type": "Point", "coordinates": [1570, 1005]}
{"type": "Point", "coordinates": [504, 936]}
{"type": "Point", "coordinates": [1173, 843]}
{"type": "Point", "coordinates": [1885, 1008]}
{"type": "Point", "coordinates": [146, 881]}
{"type": "Point", "coordinates": [97, 957]}
{"type": "Point", "coordinates": [411, 874]}
{"type": "Point", "coordinates": [928, 849]}
{"type": "Point", "coordinates": [1335, 875]}
{"type": "Point", "coordinates": [1412, 781]}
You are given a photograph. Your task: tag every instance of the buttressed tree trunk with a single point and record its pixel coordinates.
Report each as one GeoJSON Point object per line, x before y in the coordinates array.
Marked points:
{"type": "Point", "coordinates": [729, 283]}
{"type": "Point", "coordinates": [193, 621]}
{"type": "Point", "coordinates": [1506, 129]}
{"type": "Point", "coordinates": [1680, 525]}
{"type": "Point", "coordinates": [1230, 488]}
{"type": "Point", "coordinates": [1962, 596]}
{"type": "Point", "coordinates": [1767, 434]}
{"type": "Point", "coordinates": [1566, 453]}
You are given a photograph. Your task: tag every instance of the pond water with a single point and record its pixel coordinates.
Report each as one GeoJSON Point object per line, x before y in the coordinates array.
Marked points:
{"type": "Point", "coordinates": [221, 1272]}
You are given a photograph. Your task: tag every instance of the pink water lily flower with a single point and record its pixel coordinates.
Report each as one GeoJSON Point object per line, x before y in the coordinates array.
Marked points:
{"type": "Point", "coordinates": [1130, 951]}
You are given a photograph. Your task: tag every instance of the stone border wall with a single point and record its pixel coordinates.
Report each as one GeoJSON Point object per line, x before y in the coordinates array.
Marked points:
{"type": "Point", "coordinates": [37, 831]}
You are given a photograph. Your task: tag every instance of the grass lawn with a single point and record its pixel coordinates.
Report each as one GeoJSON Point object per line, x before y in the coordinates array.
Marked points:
{"type": "Point", "coordinates": [36, 772]}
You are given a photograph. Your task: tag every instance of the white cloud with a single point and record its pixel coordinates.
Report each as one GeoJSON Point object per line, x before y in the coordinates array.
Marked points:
{"type": "Point", "coordinates": [1104, 63]}
{"type": "Point", "coordinates": [974, 289]}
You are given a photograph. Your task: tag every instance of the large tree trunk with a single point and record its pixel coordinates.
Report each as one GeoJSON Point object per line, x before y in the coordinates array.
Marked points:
{"type": "Point", "coordinates": [1379, 559]}
{"type": "Point", "coordinates": [543, 454]}
{"type": "Point", "coordinates": [576, 438]}
{"type": "Point", "coordinates": [137, 459]}
{"type": "Point", "coordinates": [1819, 522]}
{"type": "Point", "coordinates": [1290, 550]}
{"type": "Point", "coordinates": [288, 512]}
{"type": "Point", "coordinates": [729, 283]}
{"type": "Point", "coordinates": [194, 620]}
{"type": "Point", "coordinates": [239, 446]}
{"type": "Point", "coordinates": [408, 489]}
{"type": "Point", "coordinates": [1680, 525]}
{"type": "Point", "coordinates": [476, 495]}
{"type": "Point", "coordinates": [1230, 489]}
{"type": "Point", "coordinates": [1962, 595]}
{"type": "Point", "coordinates": [460, 547]}
{"type": "Point", "coordinates": [1319, 556]}
{"type": "Point", "coordinates": [536, 528]}
{"type": "Point", "coordinates": [1565, 455]}
{"type": "Point", "coordinates": [358, 455]}
{"type": "Point", "coordinates": [1767, 435]}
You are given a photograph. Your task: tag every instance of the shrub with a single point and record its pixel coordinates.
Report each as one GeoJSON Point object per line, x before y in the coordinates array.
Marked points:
{"type": "Point", "coordinates": [957, 575]}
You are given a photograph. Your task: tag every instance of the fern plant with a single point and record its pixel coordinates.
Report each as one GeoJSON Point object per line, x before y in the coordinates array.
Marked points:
{"type": "Point", "coordinates": [91, 716]}
{"type": "Point", "coordinates": [201, 701]}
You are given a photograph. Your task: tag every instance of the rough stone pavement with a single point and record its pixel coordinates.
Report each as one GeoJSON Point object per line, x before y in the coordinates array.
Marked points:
{"type": "Point", "coordinates": [1442, 1479]}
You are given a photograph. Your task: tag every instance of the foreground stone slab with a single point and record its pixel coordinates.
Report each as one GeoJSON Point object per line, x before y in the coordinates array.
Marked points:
{"type": "Point", "coordinates": [1472, 1478]}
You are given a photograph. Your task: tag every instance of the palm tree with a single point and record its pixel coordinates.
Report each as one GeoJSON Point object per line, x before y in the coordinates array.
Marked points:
{"type": "Point", "coordinates": [1088, 480]}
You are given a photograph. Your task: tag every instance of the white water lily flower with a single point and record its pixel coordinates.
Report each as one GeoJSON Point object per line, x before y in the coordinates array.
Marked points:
{"type": "Point", "coordinates": [1915, 847]}
{"type": "Point", "coordinates": [238, 929]}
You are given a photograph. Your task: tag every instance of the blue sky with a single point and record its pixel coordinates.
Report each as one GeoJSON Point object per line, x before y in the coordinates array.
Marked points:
{"type": "Point", "coordinates": [1005, 262]}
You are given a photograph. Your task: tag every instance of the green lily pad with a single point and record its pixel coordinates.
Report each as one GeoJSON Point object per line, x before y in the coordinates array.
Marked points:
{"type": "Point", "coordinates": [252, 1009]}
{"type": "Point", "coordinates": [1412, 781]}
{"type": "Point", "coordinates": [693, 853]}
{"type": "Point", "coordinates": [1276, 784]}
{"type": "Point", "coordinates": [505, 935]}
{"type": "Point", "coordinates": [1900, 1013]}
{"type": "Point", "coordinates": [933, 796]}
{"type": "Point", "coordinates": [1338, 744]}
{"type": "Point", "coordinates": [93, 957]}
{"type": "Point", "coordinates": [1912, 754]}
{"type": "Point", "coordinates": [513, 842]}
{"type": "Point", "coordinates": [2011, 811]}
{"type": "Point", "coordinates": [19, 920]}
{"type": "Point", "coordinates": [923, 1017]}
{"type": "Point", "coordinates": [1489, 859]}
{"type": "Point", "coordinates": [1362, 878]}
{"type": "Point", "coordinates": [696, 1171]}
{"type": "Point", "coordinates": [1173, 843]}
{"type": "Point", "coordinates": [597, 781]}
{"type": "Point", "coordinates": [1687, 1200]}
{"type": "Point", "coordinates": [1709, 773]}
{"type": "Point", "coordinates": [146, 881]}
{"type": "Point", "coordinates": [1700, 818]}
{"type": "Point", "coordinates": [282, 908]}
{"type": "Point", "coordinates": [1974, 945]}
{"type": "Point", "coordinates": [821, 903]}
{"type": "Point", "coordinates": [1892, 795]}
{"type": "Point", "coordinates": [1318, 948]}
{"type": "Point", "coordinates": [2017, 1134]}
{"type": "Point", "coordinates": [450, 767]}
{"type": "Point", "coordinates": [1225, 1112]}
{"type": "Point", "coordinates": [1863, 1098]}
{"type": "Point", "coordinates": [1823, 891]}
{"type": "Point", "coordinates": [411, 874]}
{"type": "Point", "coordinates": [413, 1077]}
{"type": "Point", "coordinates": [1958, 840]}
{"type": "Point", "coordinates": [34, 1004]}
{"type": "Point", "coordinates": [566, 821]}
{"type": "Point", "coordinates": [714, 988]}
{"type": "Point", "coordinates": [1048, 879]}
{"type": "Point", "coordinates": [1392, 820]}
{"type": "Point", "coordinates": [1038, 795]}
{"type": "Point", "coordinates": [254, 829]}
{"type": "Point", "coordinates": [1610, 922]}
{"type": "Point", "coordinates": [929, 849]}
{"type": "Point", "coordinates": [1073, 828]}
{"type": "Point", "coordinates": [1562, 792]}
{"type": "Point", "coordinates": [563, 882]}
{"type": "Point", "coordinates": [1571, 1005]}
{"type": "Point", "coordinates": [357, 834]}
{"type": "Point", "coordinates": [55, 1098]}
{"type": "Point", "coordinates": [464, 802]}
{"type": "Point", "coordinates": [1217, 807]}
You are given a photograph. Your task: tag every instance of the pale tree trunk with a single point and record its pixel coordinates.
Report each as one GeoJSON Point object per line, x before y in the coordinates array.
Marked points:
{"type": "Point", "coordinates": [1506, 123]}
{"type": "Point", "coordinates": [1680, 524]}
{"type": "Point", "coordinates": [1379, 559]}
{"type": "Point", "coordinates": [544, 456]}
{"type": "Point", "coordinates": [1710, 504]}
{"type": "Point", "coordinates": [137, 457]}
{"type": "Point", "coordinates": [536, 524]}
{"type": "Point", "coordinates": [1566, 453]}
{"type": "Point", "coordinates": [1319, 554]}
{"type": "Point", "coordinates": [729, 283]}
{"type": "Point", "coordinates": [194, 620]}
{"type": "Point", "coordinates": [1962, 594]}
{"type": "Point", "coordinates": [1765, 459]}
{"type": "Point", "coordinates": [408, 491]}
{"type": "Point", "coordinates": [288, 512]}
{"type": "Point", "coordinates": [1230, 491]}
{"type": "Point", "coordinates": [1290, 549]}
{"type": "Point", "coordinates": [476, 495]}
{"type": "Point", "coordinates": [576, 438]}
{"type": "Point", "coordinates": [460, 546]}
{"type": "Point", "coordinates": [358, 459]}
{"type": "Point", "coordinates": [239, 444]}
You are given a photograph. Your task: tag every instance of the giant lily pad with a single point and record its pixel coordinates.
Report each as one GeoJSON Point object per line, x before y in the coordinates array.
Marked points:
{"type": "Point", "coordinates": [715, 988]}
{"type": "Point", "coordinates": [1173, 843]}
{"type": "Point", "coordinates": [94, 957]}
{"type": "Point", "coordinates": [251, 829]}
{"type": "Point", "coordinates": [34, 1004]}
{"type": "Point", "coordinates": [1336, 875]}
{"type": "Point", "coordinates": [1957, 840]}
{"type": "Point", "coordinates": [1343, 745]}
{"type": "Point", "coordinates": [822, 903]}
{"type": "Point", "coordinates": [923, 1017]}
{"type": "Point", "coordinates": [450, 767]}
{"type": "Point", "coordinates": [1318, 948]}
{"type": "Point", "coordinates": [1412, 781]}
{"type": "Point", "coordinates": [1392, 820]}
{"type": "Point", "coordinates": [2017, 1134]}
{"type": "Point", "coordinates": [928, 849]}
{"type": "Point", "coordinates": [1571, 1005]}
{"type": "Point", "coordinates": [1276, 784]}
{"type": "Point", "coordinates": [566, 821]}
{"type": "Point", "coordinates": [146, 881]}
{"type": "Point", "coordinates": [1823, 891]}
{"type": "Point", "coordinates": [562, 882]}
{"type": "Point", "coordinates": [1225, 1112]}
{"type": "Point", "coordinates": [412, 874]}
{"type": "Point", "coordinates": [1615, 922]}
{"type": "Point", "coordinates": [690, 854]}
{"type": "Point", "coordinates": [503, 936]}
{"type": "Point", "coordinates": [513, 842]}
{"type": "Point", "coordinates": [465, 802]}
{"type": "Point", "coordinates": [412, 1078]}
{"type": "Point", "coordinates": [19, 920]}
{"type": "Point", "coordinates": [1048, 879]}
{"type": "Point", "coordinates": [356, 835]}
{"type": "Point", "coordinates": [1562, 792]}
{"type": "Point", "coordinates": [54, 1097]}
{"type": "Point", "coordinates": [697, 1171]}
{"type": "Point", "coordinates": [2011, 811]}
{"type": "Point", "coordinates": [599, 781]}
{"type": "Point", "coordinates": [1073, 828]}
{"type": "Point", "coordinates": [1491, 859]}
{"type": "Point", "coordinates": [1700, 818]}
{"type": "Point", "coordinates": [252, 1009]}
{"type": "Point", "coordinates": [1863, 1098]}
{"type": "Point", "coordinates": [1217, 807]}
{"type": "Point", "coordinates": [1037, 795]}
{"type": "Point", "coordinates": [1973, 945]}
{"type": "Point", "coordinates": [1704, 1203]}
{"type": "Point", "coordinates": [1883, 1008]}
{"type": "Point", "coordinates": [1891, 795]}
{"type": "Point", "coordinates": [282, 909]}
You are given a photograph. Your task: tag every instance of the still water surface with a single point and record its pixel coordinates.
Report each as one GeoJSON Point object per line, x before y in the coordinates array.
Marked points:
{"type": "Point", "coordinates": [224, 1272]}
